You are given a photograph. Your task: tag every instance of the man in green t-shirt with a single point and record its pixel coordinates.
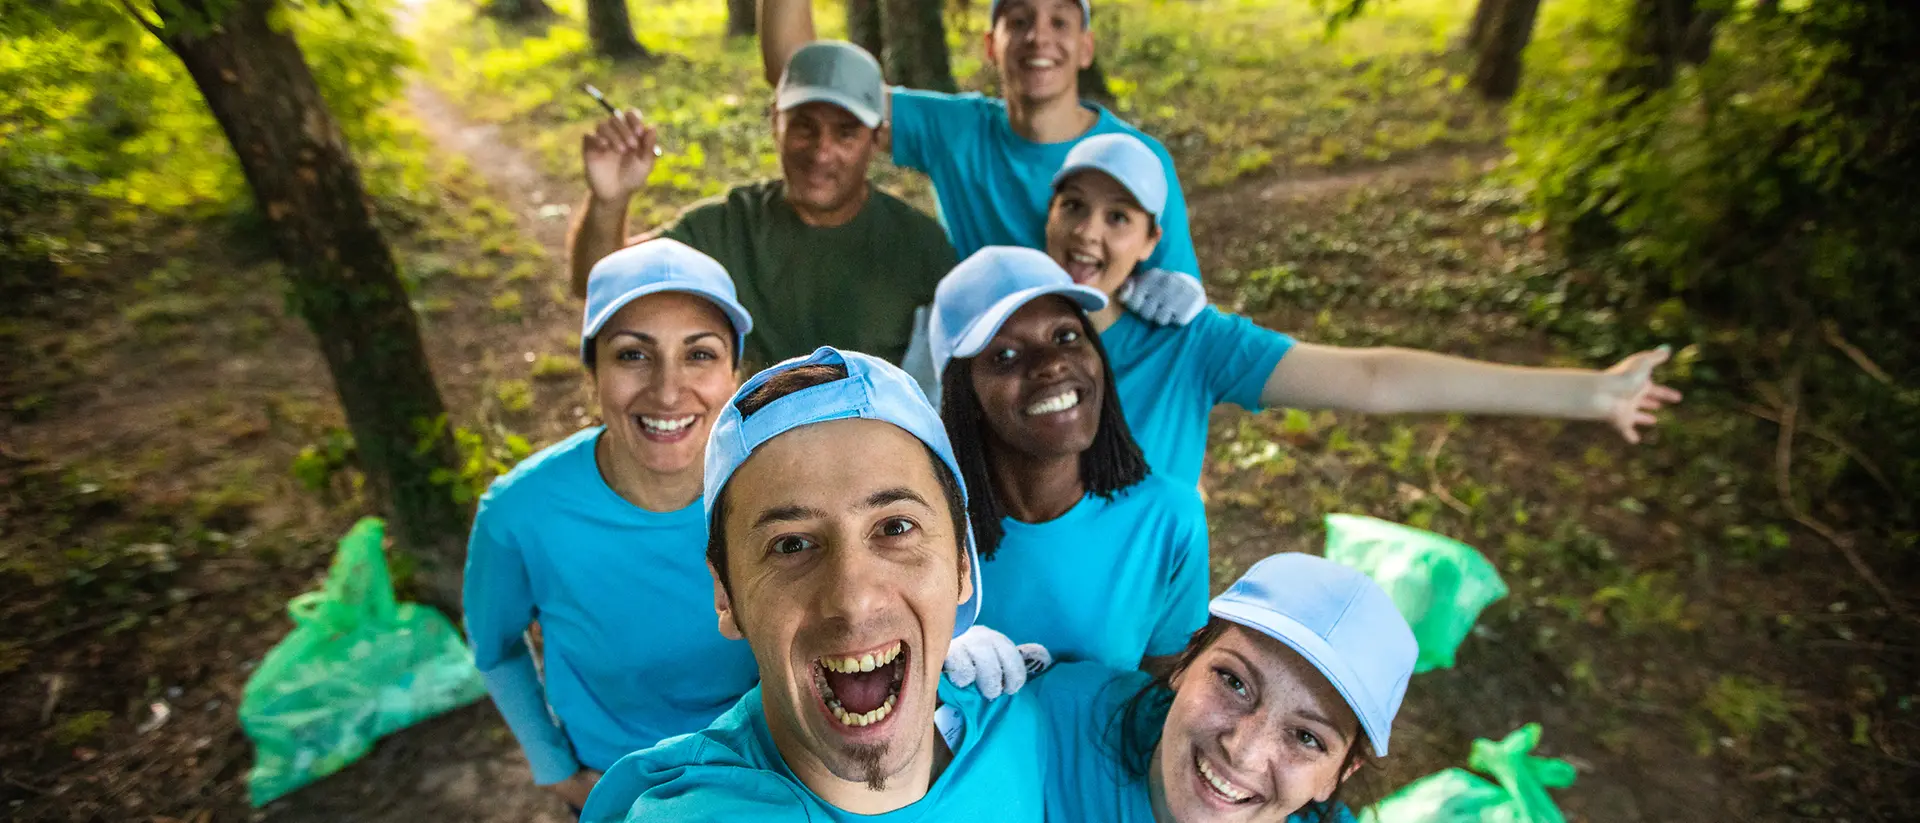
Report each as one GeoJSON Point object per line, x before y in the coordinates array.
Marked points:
{"type": "Point", "coordinates": [819, 257]}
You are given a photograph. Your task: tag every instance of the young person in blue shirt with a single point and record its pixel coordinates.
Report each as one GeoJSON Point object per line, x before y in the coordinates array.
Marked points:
{"type": "Point", "coordinates": [599, 537]}
{"type": "Point", "coordinates": [839, 550]}
{"type": "Point", "coordinates": [1087, 554]}
{"type": "Point", "coordinates": [1109, 204]}
{"type": "Point", "coordinates": [1268, 714]}
{"type": "Point", "coordinates": [991, 160]}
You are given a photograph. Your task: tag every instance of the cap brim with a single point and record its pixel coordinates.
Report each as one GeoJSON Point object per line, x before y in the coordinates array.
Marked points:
{"type": "Point", "coordinates": [795, 96]}
{"type": "Point", "coordinates": [983, 328]}
{"type": "Point", "coordinates": [1315, 649]}
{"type": "Point", "coordinates": [736, 314]}
{"type": "Point", "coordinates": [1076, 168]}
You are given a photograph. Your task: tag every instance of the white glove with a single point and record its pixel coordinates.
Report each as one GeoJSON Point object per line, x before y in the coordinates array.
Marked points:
{"type": "Point", "coordinates": [1164, 298]}
{"type": "Point", "coordinates": [988, 658]}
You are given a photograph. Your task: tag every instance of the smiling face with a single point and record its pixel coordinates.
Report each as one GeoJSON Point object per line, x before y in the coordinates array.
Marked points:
{"type": "Point", "coordinates": [1097, 231]}
{"type": "Point", "coordinates": [1039, 47]}
{"type": "Point", "coordinates": [1040, 382]}
{"type": "Point", "coordinates": [663, 367]}
{"type": "Point", "coordinates": [845, 570]}
{"type": "Point", "coordinates": [1255, 733]}
{"type": "Point", "coordinates": [824, 154]}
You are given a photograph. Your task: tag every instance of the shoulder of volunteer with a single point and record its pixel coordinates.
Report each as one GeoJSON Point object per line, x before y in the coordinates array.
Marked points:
{"type": "Point", "coordinates": [746, 201]}
{"type": "Point", "coordinates": [927, 232]}
{"type": "Point", "coordinates": [697, 776]}
{"type": "Point", "coordinates": [1164, 493]}
{"type": "Point", "coordinates": [531, 476]}
{"type": "Point", "coordinates": [1083, 692]}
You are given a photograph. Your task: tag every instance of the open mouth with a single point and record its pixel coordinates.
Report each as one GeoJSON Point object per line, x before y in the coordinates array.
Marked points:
{"type": "Point", "coordinates": [666, 429]}
{"type": "Point", "coordinates": [1215, 785]}
{"type": "Point", "coordinates": [860, 691]}
{"type": "Point", "coordinates": [1084, 268]}
{"type": "Point", "coordinates": [1039, 63]}
{"type": "Point", "coordinates": [1055, 404]}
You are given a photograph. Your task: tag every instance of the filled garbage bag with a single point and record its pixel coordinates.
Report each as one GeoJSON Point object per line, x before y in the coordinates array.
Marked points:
{"type": "Point", "coordinates": [356, 666]}
{"type": "Point", "coordinates": [1517, 794]}
{"type": "Point", "coordinates": [1439, 584]}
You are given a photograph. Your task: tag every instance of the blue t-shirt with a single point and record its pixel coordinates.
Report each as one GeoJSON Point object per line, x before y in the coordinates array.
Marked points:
{"type": "Point", "coordinates": [624, 603]}
{"type": "Point", "coordinates": [1109, 581]}
{"type": "Point", "coordinates": [1171, 377]}
{"type": "Point", "coordinates": [993, 185]}
{"type": "Point", "coordinates": [1083, 705]}
{"type": "Point", "coordinates": [732, 771]}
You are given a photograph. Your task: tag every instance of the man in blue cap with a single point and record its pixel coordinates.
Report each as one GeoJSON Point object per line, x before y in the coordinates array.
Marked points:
{"type": "Point", "coordinates": [992, 160]}
{"type": "Point", "coordinates": [820, 256]}
{"type": "Point", "coordinates": [840, 551]}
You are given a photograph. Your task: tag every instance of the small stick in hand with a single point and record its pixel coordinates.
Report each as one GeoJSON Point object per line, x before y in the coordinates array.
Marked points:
{"type": "Point", "coordinates": [602, 100]}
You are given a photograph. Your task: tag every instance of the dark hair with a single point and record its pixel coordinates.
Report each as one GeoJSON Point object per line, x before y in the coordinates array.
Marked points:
{"type": "Point", "coordinates": [1135, 731]}
{"type": "Point", "coordinates": [1113, 463]}
{"type": "Point", "coordinates": [785, 383]}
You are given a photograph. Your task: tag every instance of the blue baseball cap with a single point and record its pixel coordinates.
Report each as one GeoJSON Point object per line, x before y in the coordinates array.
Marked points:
{"type": "Point", "coordinates": [1086, 12]}
{"type": "Point", "coordinates": [1126, 159]}
{"type": "Point", "coordinates": [1340, 621]}
{"type": "Point", "coordinates": [873, 390]}
{"type": "Point", "coordinates": [975, 299]}
{"type": "Point", "coordinates": [652, 267]}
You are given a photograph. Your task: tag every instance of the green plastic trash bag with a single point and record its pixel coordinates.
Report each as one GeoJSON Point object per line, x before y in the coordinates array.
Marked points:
{"type": "Point", "coordinates": [1439, 584]}
{"type": "Point", "coordinates": [1518, 795]}
{"type": "Point", "coordinates": [356, 666]}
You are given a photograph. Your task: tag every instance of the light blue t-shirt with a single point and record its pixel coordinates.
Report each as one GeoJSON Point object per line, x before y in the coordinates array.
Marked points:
{"type": "Point", "coordinates": [1109, 581]}
{"type": "Point", "coordinates": [731, 771]}
{"type": "Point", "coordinates": [993, 185]}
{"type": "Point", "coordinates": [624, 603]}
{"type": "Point", "coordinates": [1171, 377]}
{"type": "Point", "coordinates": [1084, 705]}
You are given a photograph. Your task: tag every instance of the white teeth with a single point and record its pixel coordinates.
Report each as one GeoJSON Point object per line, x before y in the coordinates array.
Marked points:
{"type": "Point", "coordinates": [667, 425]}
{"type": "Point", "coordinates": [1056, 403]}
{"type": "Point", "coordinates": [857, 720]}
{"type": "Point", "coordinates": [863, 663]}
{"type": "Point", "coordinates": [866, 662]}
{"type": "Point", "coordinates": [1220, 784]}
{"type": "Point", "coordinates": [1084, 258]}
{"type": "Point", "coordinates": [1040, 63]}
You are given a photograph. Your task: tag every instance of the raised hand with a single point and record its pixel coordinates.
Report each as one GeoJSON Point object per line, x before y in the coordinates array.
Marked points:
{"type": "Point", "coordinates": [1628, 395]}
{"type": "Point", "coordinates": [618, 155]}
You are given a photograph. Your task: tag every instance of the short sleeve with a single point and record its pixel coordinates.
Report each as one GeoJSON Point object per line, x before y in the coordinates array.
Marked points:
{"type": "Point", "coordinates": [688, 779]}
{"type": "Point", "coordinates": [1237, 356]}
{"type": "Point", "coordinates": [1175, 251]}
{"type": "Point", "coordinates": [919, 120]}
{"type": "Point", "coordinates": [698, 225]}
{"type": "Point", "coordinates": [1184, 609]}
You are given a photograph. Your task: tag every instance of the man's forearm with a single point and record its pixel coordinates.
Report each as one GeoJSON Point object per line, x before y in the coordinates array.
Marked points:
{"type": "Point", "coordinates": [785, 26]}
{"type": "Point", "coordinates": [598, 230]}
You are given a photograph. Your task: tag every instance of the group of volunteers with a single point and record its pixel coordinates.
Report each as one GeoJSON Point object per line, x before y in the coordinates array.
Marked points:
{"type": "Point", "coordinates": [968, 448]}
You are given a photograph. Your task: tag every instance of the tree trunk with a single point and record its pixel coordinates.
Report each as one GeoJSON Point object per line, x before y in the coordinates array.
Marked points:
{"type": "Point", "coordinates": [342, 277]}
{"type": "Point", "coordinates": [916, 39]}
{"type": "Point", "coordinates": [1496, 65]}
{"type": "Point", "coordinates": [611, 30]}
{"type": "Point", "coordinates": [1484, 13]}
{"type": "Point", "coordinates": [517, 11]}
{"type": "Point", "coordinates": [742, 18]}
{"type": "Point", "coordinates": [863, 26]}
{"type": "Point", "coordinates": [1657, 41]}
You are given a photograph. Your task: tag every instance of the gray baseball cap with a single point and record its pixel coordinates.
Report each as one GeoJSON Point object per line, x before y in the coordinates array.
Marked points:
{"type": "Point", "coordinates": [837, 72]}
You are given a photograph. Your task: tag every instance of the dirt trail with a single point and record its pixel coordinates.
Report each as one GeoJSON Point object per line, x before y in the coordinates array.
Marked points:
{"type": "Point", "coordinates": [1315, 184]}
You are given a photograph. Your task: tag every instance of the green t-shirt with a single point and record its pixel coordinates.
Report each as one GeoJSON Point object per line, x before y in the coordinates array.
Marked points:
{"type": "Point", "coordinates": [853, 286]}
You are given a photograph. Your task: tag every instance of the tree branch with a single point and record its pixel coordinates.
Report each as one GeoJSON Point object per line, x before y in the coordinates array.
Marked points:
{"type": "Point", "coordinates": [152, 28]}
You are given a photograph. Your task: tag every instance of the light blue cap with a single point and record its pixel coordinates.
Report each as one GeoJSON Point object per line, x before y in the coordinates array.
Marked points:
{"type": "Point", "coordinates": [975, 299]}
{"type": "Point", "coordinates": [1126, 159]}
{"type": "Point", "coordinates": [1086, 12]}
{"type": "Point", "coordinates": [873, 390]}
{"type": "Point", "coordinates": [653, 267]}
{"type": "Point", "coordinates": [1340, 621]}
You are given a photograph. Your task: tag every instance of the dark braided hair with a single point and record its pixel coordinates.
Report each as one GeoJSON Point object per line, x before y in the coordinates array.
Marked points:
{"type": "Point", "coordinates": [1134, 733]}
{"type": "Point", "coordinates": [785, 383]}
{"type": "Point", "coordinates": [1112, 464]}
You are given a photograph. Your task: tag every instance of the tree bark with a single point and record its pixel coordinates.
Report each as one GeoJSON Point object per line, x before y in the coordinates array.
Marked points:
{"type": "Point", "coordinates": [1496, 65]}
{"type": "Point", "coordinates": [517, 11]}
{"type": "Point", "coordinates": [611, 30]}
{"type": "Point", "coordinates": [1657, 42]}
{"type": "Point", "coordinates": [864, 27]}
{"type": "Point", "coordinates": [341, 273]}
{"type": "Point", "coordinates": [742, 18]}
{"type": "Point", "coordinates": [1484, 13]}
{"type": "Point", "coordinates": [916, 39]}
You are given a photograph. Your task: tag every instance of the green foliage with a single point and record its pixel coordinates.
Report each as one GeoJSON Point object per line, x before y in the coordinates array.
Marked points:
{"type": "Point", "coordinates": [82, 727]}
{"type": "Point", "coordinates": [555, 367]}
{"type": "Point", "coordinates": [481, 459]}
{"type": "Point", "coordinates": [318, 463]}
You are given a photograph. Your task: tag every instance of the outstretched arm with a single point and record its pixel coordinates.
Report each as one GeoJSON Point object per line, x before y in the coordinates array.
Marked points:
{"type": "Point", "coordinates": [1392, 380]}
{"type": "Point", "coordinates": [618, 155]}
{"type": "Point", "coordinates": [785, 26]}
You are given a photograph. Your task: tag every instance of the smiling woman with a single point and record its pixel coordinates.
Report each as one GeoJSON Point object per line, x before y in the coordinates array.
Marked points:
{"type": "Point", "coordinates": [1086, 553]}
{"type": "Point", "coordinates": [602, 531]}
